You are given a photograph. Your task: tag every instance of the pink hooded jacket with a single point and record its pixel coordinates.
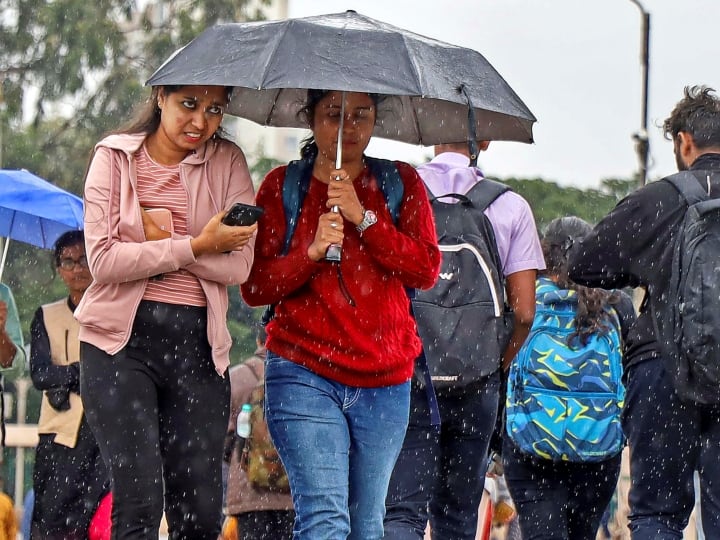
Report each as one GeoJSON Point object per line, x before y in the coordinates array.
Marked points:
{"type": "Point", "coordinates": [121, 261]}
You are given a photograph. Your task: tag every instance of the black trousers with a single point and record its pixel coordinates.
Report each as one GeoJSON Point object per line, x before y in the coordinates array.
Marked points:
{"type": "Point", "coordinates": [558, 500]}
{"type": "Point", "coordinates": [159, 411]}
{"type": "Point", "coordinates": [266, 525]}
{"type": "Point", "coordinates": [440, 473]}
{"type": "Point", "coordinates": [68, 484]}
{"type": "Point", "coordinates": [669, 440]}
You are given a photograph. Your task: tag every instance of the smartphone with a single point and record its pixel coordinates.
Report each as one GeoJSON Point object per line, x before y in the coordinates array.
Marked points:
{"type": "Point", "coordinates": [242, 214]}
{"type": "Point", "coordinates": [162, 218]}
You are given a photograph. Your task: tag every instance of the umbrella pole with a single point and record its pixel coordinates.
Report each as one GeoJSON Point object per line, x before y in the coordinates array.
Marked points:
{"type": "Point", "coordinates": [338, 153]}
{"type": "Point", "coordinates": [334, 251]}
{"type": "Point", "coordinates": [6, 245]}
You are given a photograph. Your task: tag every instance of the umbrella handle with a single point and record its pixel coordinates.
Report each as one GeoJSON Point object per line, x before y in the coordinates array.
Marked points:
{"type": "Point", "coordinates": [6, 245]}
{"type": "Point", "coordinates": [334, 251]}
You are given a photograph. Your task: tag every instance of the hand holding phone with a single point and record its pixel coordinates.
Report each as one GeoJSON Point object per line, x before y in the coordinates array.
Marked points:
{"type": "Point", "coordinates": [242, 215]}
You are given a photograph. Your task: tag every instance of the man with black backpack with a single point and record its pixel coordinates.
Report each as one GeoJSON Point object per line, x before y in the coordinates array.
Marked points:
{"type": "Point", "coordinates": [471, 323]}
{"type": "Point", "coordinates": [665, 238]}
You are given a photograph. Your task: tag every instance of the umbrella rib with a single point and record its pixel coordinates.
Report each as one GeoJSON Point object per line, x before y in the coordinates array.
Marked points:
{"type": "Point", "coordinates": [272, 109]}
{"type": "Point", "coordinates": [414, 67]}
{"type": "Point", "coordinates": [416, 121]}
{"type": "Point", "coordinates": [272, 55]}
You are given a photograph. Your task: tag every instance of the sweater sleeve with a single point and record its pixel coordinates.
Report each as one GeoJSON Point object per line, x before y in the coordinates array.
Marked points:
{"type": "Point", "coordinates": [274, 276]}
{"type": "Point", "coordinates": [630, 246]}
{"type": "Point", "coordinates": [408, 251]}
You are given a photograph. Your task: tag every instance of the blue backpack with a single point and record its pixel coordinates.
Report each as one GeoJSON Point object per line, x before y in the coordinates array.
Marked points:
{"type": "Point", "coordinates": [564, 398]}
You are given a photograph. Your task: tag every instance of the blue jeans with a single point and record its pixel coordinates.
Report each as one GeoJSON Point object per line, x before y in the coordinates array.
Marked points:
{"type": "Point", "coordinates": [440, 473]}
{"type": "Point", "coordinates": [338, 444]}
{"type": "Point", "coordinates": [669, 440]}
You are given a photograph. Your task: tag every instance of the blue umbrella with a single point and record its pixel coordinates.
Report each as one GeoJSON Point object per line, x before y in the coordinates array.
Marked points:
{"type": "Point", "coordinates": [34, 211]}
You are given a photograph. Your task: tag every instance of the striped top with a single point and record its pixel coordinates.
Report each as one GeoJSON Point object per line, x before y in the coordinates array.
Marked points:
{"type": "Point", "coordinates": [159, 186]}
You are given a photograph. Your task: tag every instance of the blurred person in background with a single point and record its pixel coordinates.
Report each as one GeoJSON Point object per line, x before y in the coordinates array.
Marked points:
{"type": "Point", "coordinates": [69, 477]}
{"type": "Point", "coordinates": [261, 514]}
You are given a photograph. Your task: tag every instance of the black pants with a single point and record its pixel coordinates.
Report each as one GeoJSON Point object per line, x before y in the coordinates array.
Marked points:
{"type": "Point", "coordinates": [558, 500]}
{"type": "Point", "coordinates": [159, 412]}
{"type": "Point", "coordinates": [440, 473]}
{"type": "Point", "coordinates": [669, 440]}
{"type": "Point", "coordinates": [68, 484]}
{"type": "Point", "coordinates": [266, 525]}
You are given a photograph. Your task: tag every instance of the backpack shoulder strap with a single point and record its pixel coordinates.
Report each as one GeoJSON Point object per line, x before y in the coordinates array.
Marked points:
{"type": "Point", "coordinates": [689, 187]}
{"type": "Point", "coordinates": [484, 192]}
{"type": "Point", "coordinates": [388, 178]}
{"type": "Point", "coordinates": [257, 366]}
{"type": "Point", "coordinates": [297, 182]}
{"type": "Point", "coordinates": [295, 186]}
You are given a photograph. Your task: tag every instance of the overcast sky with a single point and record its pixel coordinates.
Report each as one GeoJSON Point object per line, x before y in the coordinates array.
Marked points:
{"type": "Point", "coordinates": [576, 65]}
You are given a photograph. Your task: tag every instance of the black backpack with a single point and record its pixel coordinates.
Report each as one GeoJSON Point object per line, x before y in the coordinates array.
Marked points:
{"type": "Point", "coordinates": [463, 321]}
{"type": "Point", "coordinates": [687, 315]}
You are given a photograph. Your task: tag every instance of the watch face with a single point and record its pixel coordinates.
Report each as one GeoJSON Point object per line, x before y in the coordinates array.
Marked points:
{"type": "Point", "coordinates": [369, 218]}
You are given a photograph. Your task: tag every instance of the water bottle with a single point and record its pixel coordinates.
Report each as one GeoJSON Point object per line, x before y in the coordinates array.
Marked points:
{"type": "Point", "coordinates": [243, 423]}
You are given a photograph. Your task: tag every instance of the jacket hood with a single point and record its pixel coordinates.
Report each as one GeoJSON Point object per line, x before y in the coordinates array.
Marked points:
{"type": "Point", "coordinates": [131, 143]}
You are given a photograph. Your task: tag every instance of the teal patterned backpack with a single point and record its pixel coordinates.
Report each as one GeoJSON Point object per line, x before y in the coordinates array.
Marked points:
{"type": "Point", "coordinates": [564, 399]}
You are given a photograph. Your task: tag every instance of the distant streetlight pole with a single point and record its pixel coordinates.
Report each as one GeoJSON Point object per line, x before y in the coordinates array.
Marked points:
{"type": "Point", "coordinates": [642, 143]}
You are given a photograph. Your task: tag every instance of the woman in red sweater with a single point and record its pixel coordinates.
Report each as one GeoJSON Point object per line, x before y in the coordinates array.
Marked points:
{"type": "Point", "coordinates": [341, 344]}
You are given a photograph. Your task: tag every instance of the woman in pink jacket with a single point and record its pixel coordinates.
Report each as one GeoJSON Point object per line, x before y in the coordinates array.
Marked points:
{"type": "Point", "coordinates": [154, 339]}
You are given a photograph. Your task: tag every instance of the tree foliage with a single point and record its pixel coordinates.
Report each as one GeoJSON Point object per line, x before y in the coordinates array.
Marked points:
{"type": "Point", "coordinates": [549, 200]}
{"type": "Point", "coordinates": [72, 70]}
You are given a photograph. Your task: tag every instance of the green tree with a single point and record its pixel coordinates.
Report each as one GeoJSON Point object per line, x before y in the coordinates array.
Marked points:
{"type": "Point", "coordinates": [549, 200]}
{"type": "Point", "coordinates": [71, 70]}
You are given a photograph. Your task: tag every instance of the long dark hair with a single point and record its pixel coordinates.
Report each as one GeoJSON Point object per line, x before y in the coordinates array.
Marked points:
{"type": "Point", "coordinates": [308, 146]}
{"type": "Point", "coordinates": [592, 316]}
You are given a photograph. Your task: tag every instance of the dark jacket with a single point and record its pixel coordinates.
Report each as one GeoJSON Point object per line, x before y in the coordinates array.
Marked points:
{"type": "Point", "coordinates": [632, 247]}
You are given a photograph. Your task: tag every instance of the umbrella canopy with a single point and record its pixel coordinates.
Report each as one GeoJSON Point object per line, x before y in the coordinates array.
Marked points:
{"type": "Point", "coordinates": [35, 211]}
{"type": "Point", "coordinates": [430, 83]}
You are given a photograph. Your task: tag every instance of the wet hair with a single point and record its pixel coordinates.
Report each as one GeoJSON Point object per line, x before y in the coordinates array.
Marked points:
{"type": "Point", "coordinates": [147, 117]}
{"type": "Point", "coordinates": [65, 240]}
{"type": "Point", "coordinates": [308, 147]}
{"type": "Point", "coordinates": [698, 114]}
{"type": "Point", "coordinates": [560, 236]}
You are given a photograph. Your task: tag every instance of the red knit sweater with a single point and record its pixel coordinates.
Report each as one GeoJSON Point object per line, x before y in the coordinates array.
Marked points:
{"type": "Point", "coordinates": [374, 342]}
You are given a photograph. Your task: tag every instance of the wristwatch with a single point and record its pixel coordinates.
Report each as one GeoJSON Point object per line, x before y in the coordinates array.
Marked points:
{"type": "Point", "coordinates": [369, 219]}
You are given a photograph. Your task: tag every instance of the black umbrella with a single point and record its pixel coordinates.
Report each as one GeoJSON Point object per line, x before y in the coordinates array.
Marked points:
{"type": "Point", "coordinates": [438, 92]}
